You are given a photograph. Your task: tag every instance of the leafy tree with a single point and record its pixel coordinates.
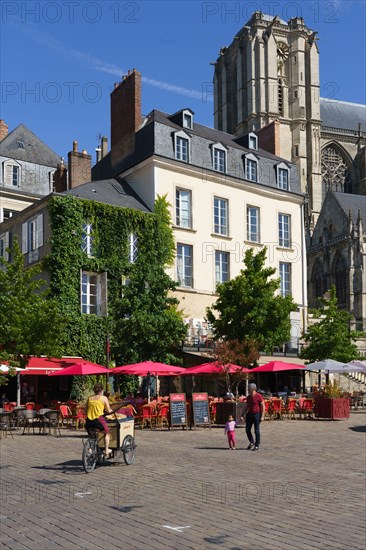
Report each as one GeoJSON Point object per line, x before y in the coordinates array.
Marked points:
{"type": "Point", "coordinates": [331, 338]}
{"type": "Point", "coordinates": [8, 360]}
{"type": "Point", "coordinates": [29, 319]}
{"type": "Point", "coordinates": [248, 307]}
{"type": "Point", "coordinates": [148, 322]}
{"type": "Point", "coordinates": [238, 353]}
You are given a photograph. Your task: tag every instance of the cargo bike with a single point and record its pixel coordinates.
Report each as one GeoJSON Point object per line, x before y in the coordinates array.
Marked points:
{"type": "Point", "coordinates": [122, 440]}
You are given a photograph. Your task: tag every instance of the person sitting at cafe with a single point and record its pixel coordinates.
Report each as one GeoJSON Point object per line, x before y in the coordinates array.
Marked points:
{"type": "Point", "coordinates": [3, 400]}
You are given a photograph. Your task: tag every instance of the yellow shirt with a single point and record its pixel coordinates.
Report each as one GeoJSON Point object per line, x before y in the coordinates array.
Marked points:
{"type": "Point", "coordinates": [95, 408]}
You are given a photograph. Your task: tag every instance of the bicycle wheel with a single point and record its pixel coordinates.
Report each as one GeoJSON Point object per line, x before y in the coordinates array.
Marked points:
{"type": "Point", "coordinates": [90, 455]}
{"type": "Point", "coordinates": [128, 449]}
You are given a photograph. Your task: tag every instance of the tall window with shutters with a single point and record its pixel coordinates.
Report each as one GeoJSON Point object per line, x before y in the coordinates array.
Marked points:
{"type": "Point", "coordinates": [93, 292]}
{"type": "Point", "coordinates": [183, 208]}
{"type": "Point", "coordinates": [132, 248]}
{"type": "Point", "coordinates": [4, 245]}
{"type": "Point", "coordinates": [12, 174]}
{"type": "Point", "coordinates": [32, 238]}
{"type": "Point", "coordinates": [87, 238]}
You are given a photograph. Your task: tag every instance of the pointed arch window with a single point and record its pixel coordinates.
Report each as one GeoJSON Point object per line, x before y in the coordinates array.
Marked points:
{"type": "Point", "coordinates": [339, 276]}
{"type": "Point", "coordinates": [317, 281]}
{"type": "Point", "coordinates": [335, 172]}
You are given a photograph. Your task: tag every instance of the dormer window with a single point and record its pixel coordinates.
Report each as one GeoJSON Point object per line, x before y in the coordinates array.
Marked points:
{"type": "Point", "coordinates": [251, 167]}
{"type": "Point", "coordinates": [187, 120]}
{"type": "Point", "coordinates": [253, 141]}
{"type": "Point", "coordinates": [181, 146]}
{"type": "Point", "coordinates": [283, 176]}
{"type": "Point", "coordinates": [219, 160]}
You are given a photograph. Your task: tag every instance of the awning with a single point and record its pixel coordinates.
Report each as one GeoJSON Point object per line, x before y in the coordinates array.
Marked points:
{"type": "Point", "coordinates": [39, 372]}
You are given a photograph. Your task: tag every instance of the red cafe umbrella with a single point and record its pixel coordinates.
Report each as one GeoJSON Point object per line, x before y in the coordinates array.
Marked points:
{"type": "Point", "coordinates": [215, 368]}
{"type": "Point", "coordinates": [149, 368]}
{"type": "Point", "coordinates": [82, 369]}
{"type": "Point", "coordinates": [277, 366]}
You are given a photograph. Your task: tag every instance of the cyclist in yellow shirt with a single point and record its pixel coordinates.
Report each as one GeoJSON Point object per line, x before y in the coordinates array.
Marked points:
{"type": "Point", "coordinates": [95, 407]}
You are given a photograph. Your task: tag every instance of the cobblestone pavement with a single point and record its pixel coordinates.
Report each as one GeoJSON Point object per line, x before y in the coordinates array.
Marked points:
{"type": "Point", "coordinates": [304, 489]}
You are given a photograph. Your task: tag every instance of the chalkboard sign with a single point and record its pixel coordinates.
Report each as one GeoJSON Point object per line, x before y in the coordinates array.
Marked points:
{"type": "Point", "coordinates": [201, 410]}
{"type": "Point", "coordinates": [178, 409]}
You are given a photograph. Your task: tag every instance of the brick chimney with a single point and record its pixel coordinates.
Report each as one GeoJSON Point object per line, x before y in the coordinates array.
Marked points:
{"type": "Point", "coordinates": [3, 130]}
{"type": "Point", "coordinates": [60, 178]}
{"type": "Point", "coordinates": [125, 115]}
{"type": "Point", "coordinates": [269, 138]}
{"type": "Point", "coordinates": [79, 167]}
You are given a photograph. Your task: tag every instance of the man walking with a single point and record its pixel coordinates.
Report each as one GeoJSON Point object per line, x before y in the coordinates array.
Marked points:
{"type": "Point", "coordinates": [254, 415]}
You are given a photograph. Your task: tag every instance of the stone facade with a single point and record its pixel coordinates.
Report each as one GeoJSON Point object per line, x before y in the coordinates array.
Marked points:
{"type": "Point", "coordinates": [270, 72]}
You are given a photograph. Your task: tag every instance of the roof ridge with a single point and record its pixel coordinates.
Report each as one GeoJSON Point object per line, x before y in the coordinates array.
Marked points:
{"type": "Point", "coordinates": [341, 101]}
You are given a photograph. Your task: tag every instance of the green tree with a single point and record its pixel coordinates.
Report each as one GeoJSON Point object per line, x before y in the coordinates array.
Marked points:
{"type": "Point", "coordinates": [331, 338]}
{"type": "Point", "coordinates": [7, 359]}
{"type": "Point", "coordinates": [248, 307]}
{"type": "Point", "coordinates": [238, 353]}
{"type": "Point", "coordinates": [148, 322]}
{"type": "Point", "coordinates": [29, 319]}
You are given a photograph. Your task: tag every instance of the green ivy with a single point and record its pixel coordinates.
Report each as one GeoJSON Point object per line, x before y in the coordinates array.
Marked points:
{"type": "Point", "coordinates": [143, 320]}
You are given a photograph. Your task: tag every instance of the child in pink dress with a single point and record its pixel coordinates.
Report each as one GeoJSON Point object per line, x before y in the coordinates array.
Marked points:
{"type": "Point", "coordinates": [230, 432]}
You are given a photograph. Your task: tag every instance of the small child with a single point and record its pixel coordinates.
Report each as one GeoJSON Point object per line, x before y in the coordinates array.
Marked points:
{"type": "Point", "coordinates": [230, 431]}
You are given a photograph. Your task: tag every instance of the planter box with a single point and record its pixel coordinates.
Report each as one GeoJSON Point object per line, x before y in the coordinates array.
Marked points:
{"type": "Point", "coordinates": [334, 408]}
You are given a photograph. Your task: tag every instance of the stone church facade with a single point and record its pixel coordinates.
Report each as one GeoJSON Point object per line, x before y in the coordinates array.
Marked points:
{"type": "Point", "coordinates": [267, 80]}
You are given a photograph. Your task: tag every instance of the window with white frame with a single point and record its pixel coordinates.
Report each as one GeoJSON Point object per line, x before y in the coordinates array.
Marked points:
{"type": "Point", "coordinates": [132, 247]}
{"type": "Point", "coordinates": [221, 225]}
{"type": "Point", "coordinates": [219, 156]}
{"type": "Point", "coordinates": [4, 245]}
{"type": "Point", "coordinates": [183, 208]}
{"type": "Point", "coordinates": [12, 174]}
{"type": "Point", "coordinates": [221, 266]}
{"type": "Point", "coordinates": [182, 146]}
{"type": "Point", "coordinates": [87, 238]}
{"type": "Point", "coordinates": [32, 238]}
{"type": "Point", "coordinates": [285, 279]}
{"type": "Point", "coordinates": [93, 293]}
{"type": "Point", "coordinates": [125, 282]}
{"type": "Point", "coordinates": [253, 234]}
{"type": "Point", "coordinates": [253, 141]}
{"type": "Point", "coordinates": [251, 168]}
{"type": "Point", "coordinates": [187, 120]}
{"type": "Point", "coordinates": [185, 265]}
{"type": "Point", "coordinates": [284, 230]}
{"type": "Point", "coordinates": [283, 180]}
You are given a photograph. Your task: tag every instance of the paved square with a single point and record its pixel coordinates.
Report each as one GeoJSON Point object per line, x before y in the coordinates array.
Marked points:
{"type": "Point", "coordinates": [304, 489]}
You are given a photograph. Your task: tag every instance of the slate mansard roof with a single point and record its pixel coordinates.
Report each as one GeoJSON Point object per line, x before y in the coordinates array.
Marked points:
{"type": "Point", "coordinates": [114, 191]}
{"type": "Point", "coordinates": [155, 137]}
{"type": "Point", "coordinates": [343, 115]}
{"type": "Point", "coordinates": [21, 144]}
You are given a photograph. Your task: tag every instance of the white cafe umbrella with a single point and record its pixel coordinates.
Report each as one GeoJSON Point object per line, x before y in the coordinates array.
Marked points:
{"type": "Point", "coordinates": [360, 365]}
{"type": "Point", "coordinates": [331, 366]}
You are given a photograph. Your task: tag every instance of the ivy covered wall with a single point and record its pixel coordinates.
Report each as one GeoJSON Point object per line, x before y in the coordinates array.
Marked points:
{"type": "Point", "coordinates": [143, 321]}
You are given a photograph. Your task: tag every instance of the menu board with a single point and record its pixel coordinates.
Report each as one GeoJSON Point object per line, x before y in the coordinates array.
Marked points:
{"type": "Point", "coordinates": [201, 410]}
{"type": "Point", "coordinates": [178, 409]}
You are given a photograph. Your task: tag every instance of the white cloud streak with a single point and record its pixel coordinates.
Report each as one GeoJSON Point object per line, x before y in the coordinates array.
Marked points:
{"type": "Point", "coordinates": [97, 64]}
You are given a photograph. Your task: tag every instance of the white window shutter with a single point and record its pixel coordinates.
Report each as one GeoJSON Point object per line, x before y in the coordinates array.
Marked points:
{"type": "Point", "coordinates": [81, 291]}
{"type": "Point", "coordinates": [39, 230]}
{"type": "Point", "coordinates": [7, 244]}
{"type": "Point", "coordinates": [103, 303]}
{"type": "Point", "coordinates": [25, 238]}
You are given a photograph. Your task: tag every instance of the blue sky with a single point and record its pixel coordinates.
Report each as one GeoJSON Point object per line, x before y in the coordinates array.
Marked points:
{"type": "Point", "coordinates": [59, 60]}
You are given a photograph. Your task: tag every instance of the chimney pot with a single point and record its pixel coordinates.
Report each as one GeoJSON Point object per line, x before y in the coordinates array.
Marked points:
{"type": "Point", "coordinates": [75, 146]}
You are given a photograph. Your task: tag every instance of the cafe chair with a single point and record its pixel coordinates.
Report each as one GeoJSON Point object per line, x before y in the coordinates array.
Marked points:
{"type": "Point", "coordinates": [67, 418]}
{"type": "Point", "coordinates": [162, 416]}
{"type": "Point", "coordinates": [307, 408]}
{"type": "Point", "coordinates": [268, 414]}
{"type": "Point", "coordinates": [148, 416]}
{"type": "Point", "coordinates": [31, 419]}
{"type": "Point", "coordinates": [30, 405]}
{"type": "Point", "coordinates": [18, 417]}
{"type": "Point", "coordinates": [277, 408]}
{"type": "Point", "coordinates": [5, 424]}
{"type": "Point", "coordinates": [290, 409]}
{"type": "Point", "coordinates": [52, 421]}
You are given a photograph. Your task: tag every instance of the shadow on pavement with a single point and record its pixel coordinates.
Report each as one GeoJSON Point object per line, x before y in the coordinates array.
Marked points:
{"type": "Point", "coordinates": [358, 428]}
{"type": "Point", "coordinates": [124, 509]}
{"type": "Point", "coordinates": [69, 467]}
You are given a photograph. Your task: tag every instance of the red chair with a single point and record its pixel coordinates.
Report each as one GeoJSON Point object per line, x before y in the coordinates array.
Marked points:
{"type": "Point", "coordinates": [277, 407]}
{"type": "Point", "coordinates": [79, 417]}
{"type": "Point", "coordinates": [29, 406]}
{"type": "Point", "coordinates": [290, 408]}
{"type": "Point", "coordinates": [6, 407]}
{"type": "Point", "coordinates": [148, 415]}
{"type": "Point", "coordinates": [66, 415]}
{"type": "Point", "coordinates": [162, 416]}
{"type": "Point", "coordinates": [307, 407]}
{"type": "Point", "coordinates": [267, 409]}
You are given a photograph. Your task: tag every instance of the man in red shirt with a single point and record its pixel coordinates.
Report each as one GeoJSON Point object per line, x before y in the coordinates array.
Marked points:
{"type": "Point", "coordinates": [254, 415]}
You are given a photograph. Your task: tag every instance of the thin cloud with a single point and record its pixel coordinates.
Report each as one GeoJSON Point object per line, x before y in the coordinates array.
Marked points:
{"type": "Point", "coordinates": [99, 64]}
